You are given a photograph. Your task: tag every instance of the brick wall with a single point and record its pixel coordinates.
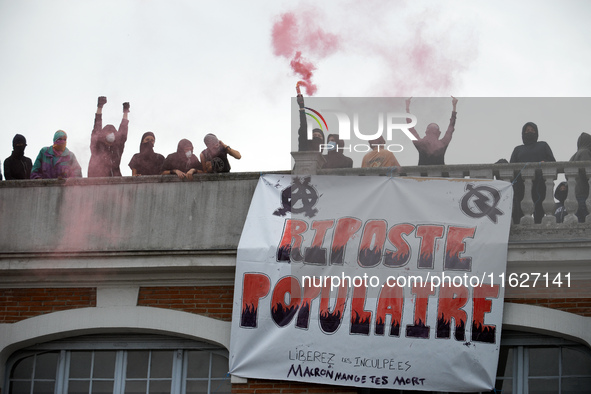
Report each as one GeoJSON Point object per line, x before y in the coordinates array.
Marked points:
{"type": "Point", "coordinates": [258, 386]}
{"type": "Point", "coordinates": [210, 301]}
{"type": "Point", "coordinates": [20, 304]}
{"type": "Point", "coordinates": [577, 306]}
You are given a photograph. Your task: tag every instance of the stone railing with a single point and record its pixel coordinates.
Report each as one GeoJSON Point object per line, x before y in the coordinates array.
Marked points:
{"type": "Point", "coordinates": [311, 162]}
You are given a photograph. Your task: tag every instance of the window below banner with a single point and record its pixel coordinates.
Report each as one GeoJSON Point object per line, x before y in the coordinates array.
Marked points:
{"type": "Point", "coordinates": [531, 363]}
{"type": "Point", "coordinates": [98, 365]}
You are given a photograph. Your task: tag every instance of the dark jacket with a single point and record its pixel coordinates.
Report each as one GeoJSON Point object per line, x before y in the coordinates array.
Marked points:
{"type": "Point", "coordinates": [147, 162]}
{"type": "Point", "coordinates": [17, 166]}
{"type": "Point", "coordinates": [583, 154]}
{"type": "Point", "coordinates": [179, 161]}
{"type": "Point", "coordinates": [336, 159]}
{"type": "Point", "coordinates": [532, 150]}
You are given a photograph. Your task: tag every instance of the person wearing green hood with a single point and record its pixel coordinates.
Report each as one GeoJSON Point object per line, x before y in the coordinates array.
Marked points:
{"type": "Point", "coordinates": [56, 161]}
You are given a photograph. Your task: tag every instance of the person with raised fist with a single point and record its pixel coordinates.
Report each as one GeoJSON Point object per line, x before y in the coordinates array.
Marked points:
{"type": "Point", "coordinates": [107, 143]}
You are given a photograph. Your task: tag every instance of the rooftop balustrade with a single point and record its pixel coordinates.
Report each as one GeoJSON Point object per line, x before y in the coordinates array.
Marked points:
{"type": "Point", "coordinates": [165, 230]}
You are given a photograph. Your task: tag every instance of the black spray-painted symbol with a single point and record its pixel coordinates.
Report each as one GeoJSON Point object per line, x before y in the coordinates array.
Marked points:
{"type": "Point", "coordinates": [481, 201]}
{"type": "Point", "coordinates": [300, 197]}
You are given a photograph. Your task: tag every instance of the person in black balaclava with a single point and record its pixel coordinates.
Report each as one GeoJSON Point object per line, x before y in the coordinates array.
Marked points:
{"type": "Point", "coordinates": [317, 134]}
{"type": "Point", "coordinates": [183, 163]}
{"type": "Point", "coordinates": [560, 194]}
{"type": "Point", "coordinates": [335, 157]}
{"type": "Point", "coordinates": [147, 162]}
{"type": "Point", "coordinates": [534, 151]}
{"type": "Point", "coordinates": [582, 186]}
{"type": "Point", "coordinates": [17, 166]}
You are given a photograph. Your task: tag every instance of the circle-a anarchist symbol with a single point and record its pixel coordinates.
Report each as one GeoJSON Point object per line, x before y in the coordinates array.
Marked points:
{"type": "Point", "coordinates": [481, 201]}
{"type": "Point", "coordinates": [300, 197]}
{"type": "Point", "coordinates": [217, 164]}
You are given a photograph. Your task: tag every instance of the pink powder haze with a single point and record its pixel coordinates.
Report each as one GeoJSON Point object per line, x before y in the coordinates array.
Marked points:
{"type": "Point", "coordinates": [404, 51]}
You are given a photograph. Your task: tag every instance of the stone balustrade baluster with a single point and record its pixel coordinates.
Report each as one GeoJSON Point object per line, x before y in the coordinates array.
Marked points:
{"type": "Point", "coordinates": [310, 163]}
{"type": "Point", "coordinates": [549, 175]}
{"type": "Point", "coordinates": [570, 204]}
{"type": "Point", "coordinates": [456, 173]}
{"type": "Point", "coordinates": [307, 163]}
{"type": "Point", "coordinates": [434, 172]}
{"type": "Point", "coordinates": [527, 205]}
{"type": "Point", "coordinates": [587, 177]}
{"type": "Point", "coordinates": [483, 173]}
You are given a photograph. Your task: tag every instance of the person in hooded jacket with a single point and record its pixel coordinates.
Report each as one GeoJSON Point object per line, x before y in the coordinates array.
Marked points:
{"type": "Point", "coordinates": [560, 194]}
{"type": "Point", "coordinates": [335, 157]}
{"type": "Point", "coordinates": [107, 143]}
{"type": "Point", "coordinates": [183, 163]}
{"type": "Point", "coordinates": [432, 149]}
{"type": "Point", "coordinates": [532, 150]}
{"type": "Point", "coordinates": [379, 156]}
{"type": "Point", "coordinates": [147, 162]}
{"type": "Point", "coordinates": [304, 144]}
{"type": "Point", "coordinates": [17, 166]}
{"type": "Point", "coordinates": [56, 161]}
{"type": "Point", "coordinates": [582, 185]}
{"type": "Point", "coordinates": [215, 157]}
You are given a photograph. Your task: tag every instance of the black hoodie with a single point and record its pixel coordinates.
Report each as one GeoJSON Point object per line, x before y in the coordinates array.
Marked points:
{"type": "Point", "coordinates": [179, 161]}
{"type": "Point", "coordinates": [583, 148]}
{"type": "Point", "coordinates": [147, 162]}
{"type": "Point", "coordinates": [17, 166]}
{"type": "Point", "coordinates": [532, 150]}
{"type": "Point", "coordinates": [336, 159]}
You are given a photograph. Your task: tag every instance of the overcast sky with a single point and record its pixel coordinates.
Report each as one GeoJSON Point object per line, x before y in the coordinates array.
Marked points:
{"type": "Point", "coordinates": [189, 68]}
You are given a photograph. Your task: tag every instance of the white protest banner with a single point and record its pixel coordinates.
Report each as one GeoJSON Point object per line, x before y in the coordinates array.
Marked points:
{"type": "Point", "coordinates": [372, 282]}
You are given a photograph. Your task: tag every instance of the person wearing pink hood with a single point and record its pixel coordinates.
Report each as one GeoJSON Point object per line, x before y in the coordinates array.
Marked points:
{"type": "Point", "coordinates": [215, 157]}
{"type": "Point", "coordinates": [107, 143]}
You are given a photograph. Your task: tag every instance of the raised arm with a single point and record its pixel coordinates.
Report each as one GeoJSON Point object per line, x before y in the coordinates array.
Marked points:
{"type": "Point", "coordinates": [303, 130]}
{"type": "Point", "coordinates": [232, 152]}
{"type": "Point", "coordinates": [408, 120]}
{"type": "Point", "coordinates": [98, 118]}
{"type": "Point", "coordinates": [452, 122]}
{"type": "Point", "coordinates": [124, 126]}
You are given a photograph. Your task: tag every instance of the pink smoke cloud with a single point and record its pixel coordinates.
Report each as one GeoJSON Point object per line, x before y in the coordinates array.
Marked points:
{"type": "Point", "coordinates": [293, 34]}
{"type": "Point", "coordinates": [422, 53]}
{"type": "Point", "coordinates": [285, 35]}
